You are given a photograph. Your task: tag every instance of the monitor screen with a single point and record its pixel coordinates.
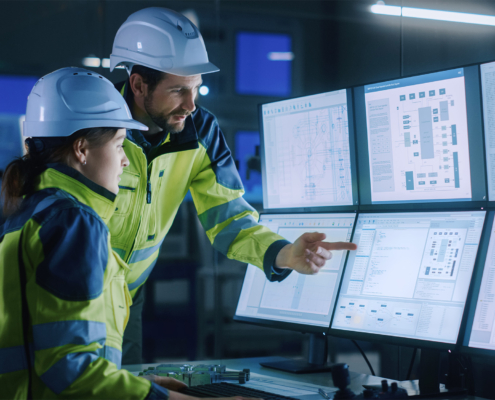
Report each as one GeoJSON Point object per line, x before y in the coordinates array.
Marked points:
{"type": "Point", "coordinates": [11, 139]}
{"type": "Point", "coordinates": [480, 332]}
{"type": "Point", "coordinates": [14, 91]}
{"type": "Point", "coordinates": [247, 153]}
{"type": "Point", "coordinates": [308, 152]}
{"type": "Point", "coordinates": [410, 276]}
{"type": "Point", "coordinates": [423, 139]}
{"type": "Point", "coordinates": [264, 64]}
{"type": "Point", "coordinates": [488, 91]}
{"type": "Point", "coordinates": [299, 300]}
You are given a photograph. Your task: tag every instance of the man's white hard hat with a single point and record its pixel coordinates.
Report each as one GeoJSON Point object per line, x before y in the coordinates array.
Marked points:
{"type": "Point", "coordinates": [163, 40]}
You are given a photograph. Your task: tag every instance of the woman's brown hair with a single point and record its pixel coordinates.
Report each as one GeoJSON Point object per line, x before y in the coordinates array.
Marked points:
{"type": "Point", "coordinates": [19, 177]}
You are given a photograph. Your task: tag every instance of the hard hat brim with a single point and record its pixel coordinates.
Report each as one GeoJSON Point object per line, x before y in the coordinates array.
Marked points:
{"type": "Point", "coordinates": [48, 128]}
{"type": "Point", "coordinates": [194, 70]}
{"type": "Point", "coordinates": [198, 69]}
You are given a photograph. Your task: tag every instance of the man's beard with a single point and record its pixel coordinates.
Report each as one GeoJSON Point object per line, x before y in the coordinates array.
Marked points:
{"type": "Point", "coordinates": [161, 120]}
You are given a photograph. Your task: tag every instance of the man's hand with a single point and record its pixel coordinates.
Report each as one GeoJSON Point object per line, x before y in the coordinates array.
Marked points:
{"type": "Point", "coordinates": [308, 254]}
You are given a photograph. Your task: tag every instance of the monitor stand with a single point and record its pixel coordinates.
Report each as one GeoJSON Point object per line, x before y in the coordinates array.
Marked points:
{"type": "Point", "coordinates": [317, 357]}
{"type": "Point", "coordinates": [429, 382]}
{"type": "Point", "coordinates": [429, 385]}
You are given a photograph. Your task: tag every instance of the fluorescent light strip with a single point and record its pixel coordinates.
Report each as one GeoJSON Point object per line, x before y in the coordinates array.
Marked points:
{"type": "Point", "coordinates": [386, 10]}
{"type": "Point", "coordinates": [91, 62]}
{"type": "Point", "coordinates": [437, 15]}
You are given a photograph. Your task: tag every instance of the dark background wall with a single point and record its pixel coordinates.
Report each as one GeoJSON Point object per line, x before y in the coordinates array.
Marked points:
{"type": "Point", "coordinates": [336, 44]}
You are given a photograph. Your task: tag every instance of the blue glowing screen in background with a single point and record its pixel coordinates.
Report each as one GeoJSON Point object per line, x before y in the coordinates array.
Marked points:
{"type": "Point", "coordinates": [263, 64]}
{"type": "Point", "coordinates": [11, 139]}
{"type": "Point", "coordinates": [245, 148]}
{"type": "Point", "coordinates": [14, 91]}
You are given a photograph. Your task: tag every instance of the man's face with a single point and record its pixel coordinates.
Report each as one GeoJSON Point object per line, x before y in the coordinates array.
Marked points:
{"type": "Point", "coordinates": [172, 101]}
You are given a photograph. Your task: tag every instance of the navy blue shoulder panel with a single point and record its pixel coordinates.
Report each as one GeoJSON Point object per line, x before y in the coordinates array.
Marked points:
{"type": "Point", "coordinates": [211, 137]}
{"type": "Point", "coordinates": [75, 245]}
{"type": "Point", "coordinates": [31, 205]}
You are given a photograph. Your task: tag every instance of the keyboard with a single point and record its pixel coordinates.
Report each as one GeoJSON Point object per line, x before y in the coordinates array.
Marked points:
{"type": "Point", "coordinates": [224, 389]}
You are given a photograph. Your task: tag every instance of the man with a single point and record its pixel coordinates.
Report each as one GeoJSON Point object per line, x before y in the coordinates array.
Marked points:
{"type": "Point", "coordinates": [183, 150]}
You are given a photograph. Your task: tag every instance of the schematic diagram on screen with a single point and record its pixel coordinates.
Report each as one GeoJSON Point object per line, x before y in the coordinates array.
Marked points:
{"type": "Point", "coordinates": [314, 157]}
{"type": "Point", "coordinates": [418, 142]}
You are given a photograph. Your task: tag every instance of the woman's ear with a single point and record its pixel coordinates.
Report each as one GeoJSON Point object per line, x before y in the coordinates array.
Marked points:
{"type": "Point", "coordinates": [80, 150]}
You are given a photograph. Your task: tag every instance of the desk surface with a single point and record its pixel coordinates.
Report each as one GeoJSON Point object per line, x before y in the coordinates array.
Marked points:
{"type": "Point", "coordinates": [323, 379]}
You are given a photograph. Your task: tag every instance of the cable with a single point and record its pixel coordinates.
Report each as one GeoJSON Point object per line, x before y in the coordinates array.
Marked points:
{"type": "Point", "coordinates": [398, 363]}
{"type": "Point", "coordinates": [364, 356]}
{"type": "Point", "coordinates": [412, 364]}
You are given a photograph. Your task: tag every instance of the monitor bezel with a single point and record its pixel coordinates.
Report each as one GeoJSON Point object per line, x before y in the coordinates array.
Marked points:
{"type": "Point", "coordinates": [290, 326]}
{"type": "Point", "coordinates": [352, 153]}
{"type": "Point", "coordinates": [468, 318]}
{"type": "Point", "coordinates": [397, 340]}
{"type": "Point", "coordinates": [476, 152]}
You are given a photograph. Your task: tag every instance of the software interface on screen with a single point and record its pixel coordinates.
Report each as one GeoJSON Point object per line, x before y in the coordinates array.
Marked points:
{"type": "Point", "coordinates": [307, 159]}
{"type": "Point", "coordinates": [483, 326]}
{"type": "Point", "coordinates": [418, 138]}
{"type": "Point", "coordinates": [488, 90]}
{"type": "Point", "coordinates": [299, 299]}
{"type": "Point", "coordinates": [410, 274]}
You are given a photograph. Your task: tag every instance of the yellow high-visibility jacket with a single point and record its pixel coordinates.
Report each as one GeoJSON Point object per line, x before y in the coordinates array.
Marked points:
{"type": "Point", "coordinates": [155, 183]}
{"type": "Point", "coordinates": [75, 300]}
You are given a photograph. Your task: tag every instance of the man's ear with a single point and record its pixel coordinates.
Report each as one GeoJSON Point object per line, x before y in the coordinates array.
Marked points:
{"type": "Point", "coordinates": [138, 86]}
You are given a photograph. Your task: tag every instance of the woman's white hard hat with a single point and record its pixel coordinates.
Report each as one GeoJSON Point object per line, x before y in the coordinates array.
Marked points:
{"type": "Point", "coordinates": [71, 99]}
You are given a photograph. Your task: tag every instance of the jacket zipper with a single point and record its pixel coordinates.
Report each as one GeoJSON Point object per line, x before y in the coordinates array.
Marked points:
{"type": "Point", "coordinates": [148, 188]}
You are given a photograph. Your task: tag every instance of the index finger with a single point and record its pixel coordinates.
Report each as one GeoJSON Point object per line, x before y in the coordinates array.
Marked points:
{"type": "Point", "coordinates": [338, 245]}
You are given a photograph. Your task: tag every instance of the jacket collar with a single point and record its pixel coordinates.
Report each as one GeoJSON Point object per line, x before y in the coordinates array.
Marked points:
{"type": "Point", "coordinates": [63, 177]}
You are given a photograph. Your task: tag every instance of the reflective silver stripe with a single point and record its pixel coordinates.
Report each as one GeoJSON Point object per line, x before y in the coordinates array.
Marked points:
{"type": "Point", "coordinates": [143, 276]}
{"type": "Point", "coordinates": [225, 238]}
{"type": "Point", "coordinates": [111, 354]}
{"type": "Point", "coordinates": [216, 215]}
{"type": "Point", "coordinates": [143, 254]}
{"type": "Point", "coordinates": [60, 333]}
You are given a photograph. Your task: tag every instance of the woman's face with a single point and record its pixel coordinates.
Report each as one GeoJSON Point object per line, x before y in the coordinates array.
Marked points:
{"type": "Point", "coordinates": [105, 164]}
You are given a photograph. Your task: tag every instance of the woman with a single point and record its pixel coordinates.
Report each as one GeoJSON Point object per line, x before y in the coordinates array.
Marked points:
{"type": "Point", "coordinates": [64, 303]}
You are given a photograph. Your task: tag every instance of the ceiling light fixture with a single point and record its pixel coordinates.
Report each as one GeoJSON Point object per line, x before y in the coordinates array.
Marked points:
{"type": "Point", "coordinates": [438, 15]}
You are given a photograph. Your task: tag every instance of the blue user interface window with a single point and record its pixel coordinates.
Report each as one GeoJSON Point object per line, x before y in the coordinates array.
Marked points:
{"type": "Point", "coordinates": [264, 64]}
{"type": "Point", "coordinates": [14, 91]}
{"type": "Point", "coordinates": [245, 150]}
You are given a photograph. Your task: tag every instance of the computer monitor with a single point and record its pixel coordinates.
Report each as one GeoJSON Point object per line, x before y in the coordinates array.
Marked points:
{"type": "Point", "coordinates": [263, 64]}
{"type": "Point", "coordinates": [302, 303]}
{"type": "Point", "coordinates": [419, 140]}
{"type": "Point", "coordinates": [479, 331]}
{"type": "Point", "coordinates": [408, 282]}
{"type": "Point", "coordinates": [307, 153]}
{"type": "Point", "coordinates": [14, 91]}
{"type": "Point", "coordinates": [247, 154]}
{"type": "Point", "coordinates": [488, 90]}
